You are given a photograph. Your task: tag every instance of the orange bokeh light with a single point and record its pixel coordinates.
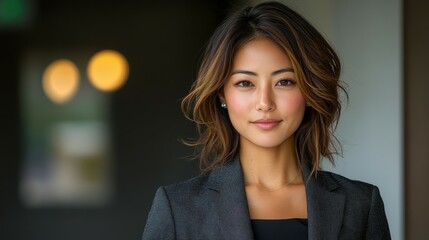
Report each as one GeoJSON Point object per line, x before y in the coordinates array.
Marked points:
{"type": "Point", "coordinates": [61, 80]}
{"type": "Point", "coordinates": [108, 70]}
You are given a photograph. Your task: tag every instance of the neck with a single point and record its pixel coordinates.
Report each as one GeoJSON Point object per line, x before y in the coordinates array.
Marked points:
{"type": "Point", "coordinates": [269, 167]}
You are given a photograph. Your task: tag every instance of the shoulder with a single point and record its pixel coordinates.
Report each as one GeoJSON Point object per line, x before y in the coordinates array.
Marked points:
{"type": "Point", "coordinates": [359, 196]}
{"type": "Point", "coordinates": [221, 178]}
{"type": "Point", "coordinates": [338, 182]}
{"type": "Point", "coordinates": [188, 201]}
{"type": "Point", "coordinates": [181, 198]}
{"type": "Point", "coordinates": [363, 205]}
{"type": "Point", "coordinates": [193, 185]}
{"type": "Point", "coordinates": [174, 209]}
{"type": "Point", "coordinates": [187, 194]}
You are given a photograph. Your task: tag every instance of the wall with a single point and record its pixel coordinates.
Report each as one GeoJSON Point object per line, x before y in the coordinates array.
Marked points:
{"type": "Point", "coordinates": [368, 36]}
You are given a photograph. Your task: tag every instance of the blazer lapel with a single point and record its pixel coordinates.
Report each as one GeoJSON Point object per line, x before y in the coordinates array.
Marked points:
{"type": "Point", "coordinates": [325, 207]}
{"type": "Point", "coordinates": [226, 189]}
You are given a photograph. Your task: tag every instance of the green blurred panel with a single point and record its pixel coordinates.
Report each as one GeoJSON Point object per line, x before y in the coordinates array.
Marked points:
{"type": "Point", "coordinates": [15, 12]}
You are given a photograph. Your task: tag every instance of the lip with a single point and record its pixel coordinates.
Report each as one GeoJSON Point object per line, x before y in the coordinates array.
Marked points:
{"type": "Point", "coordinates": [266, 123]}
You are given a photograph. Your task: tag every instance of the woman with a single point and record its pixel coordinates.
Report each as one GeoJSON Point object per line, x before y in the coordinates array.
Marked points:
{"type": "Point", "coordinates": [266, 102]}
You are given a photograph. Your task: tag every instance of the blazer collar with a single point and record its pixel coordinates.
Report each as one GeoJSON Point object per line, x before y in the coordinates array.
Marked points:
{"type": "Point", "coordinates": [230, 202]}
{"type": "Point", "coordinates": [325, 207]}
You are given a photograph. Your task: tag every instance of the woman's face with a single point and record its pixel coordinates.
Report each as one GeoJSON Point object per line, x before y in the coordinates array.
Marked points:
{"type": "Point", "coordinates": [263, 99]}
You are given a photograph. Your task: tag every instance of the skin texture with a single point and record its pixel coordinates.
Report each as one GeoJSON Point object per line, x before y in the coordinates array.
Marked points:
{"type": "Point", "coordinates": [266, 107]}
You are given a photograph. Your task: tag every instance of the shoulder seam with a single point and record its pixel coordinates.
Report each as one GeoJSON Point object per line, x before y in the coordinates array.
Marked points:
{"type": "Point", "coordinates": [171, 209]}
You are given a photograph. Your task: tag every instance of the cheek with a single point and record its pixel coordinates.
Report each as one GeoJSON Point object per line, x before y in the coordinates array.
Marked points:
{"type": "Point", "coordinates": [294, 103]}
{"type": "Point", "coordinates": [238, 105]}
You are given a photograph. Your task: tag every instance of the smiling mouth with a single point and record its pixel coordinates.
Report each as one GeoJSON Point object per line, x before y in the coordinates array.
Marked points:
{"type": "Point", "coordinates": [266, 124]}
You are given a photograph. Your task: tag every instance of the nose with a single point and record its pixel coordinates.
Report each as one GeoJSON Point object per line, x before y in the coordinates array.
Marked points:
{"type": "Point", "coordinates": [265, 101]}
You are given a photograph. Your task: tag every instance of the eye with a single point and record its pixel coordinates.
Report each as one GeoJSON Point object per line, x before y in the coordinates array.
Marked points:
{"type": "Point", "coordinates": [244, 84]}
{"type": "Point", "coordinates": [285, 82]}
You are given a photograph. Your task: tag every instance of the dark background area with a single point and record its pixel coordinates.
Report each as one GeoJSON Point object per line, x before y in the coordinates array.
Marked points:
{"type": "Point", "coordinates": [163, 42]}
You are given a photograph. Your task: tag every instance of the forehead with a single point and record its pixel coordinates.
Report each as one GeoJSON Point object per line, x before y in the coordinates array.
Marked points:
{"type": "Point", "coordinates": [261, 52]}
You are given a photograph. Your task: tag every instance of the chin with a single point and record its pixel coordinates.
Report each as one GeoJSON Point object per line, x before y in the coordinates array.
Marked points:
{"type": "Point", "coordinates": [268, 144]}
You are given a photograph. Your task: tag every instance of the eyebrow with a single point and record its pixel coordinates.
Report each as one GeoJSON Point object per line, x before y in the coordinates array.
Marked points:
{"type": "Point", "coordinates": [288, 69]}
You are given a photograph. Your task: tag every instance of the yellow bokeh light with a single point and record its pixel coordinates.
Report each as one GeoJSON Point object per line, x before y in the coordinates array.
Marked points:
{"type": "Point", "coordinates": [108, 70]}
{"type": "Point", "coordinates": [61, 80]}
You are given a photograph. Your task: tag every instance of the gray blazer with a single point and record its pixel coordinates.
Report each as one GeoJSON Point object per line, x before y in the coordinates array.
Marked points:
{"type": "Point", "coordinates": [214, 206]}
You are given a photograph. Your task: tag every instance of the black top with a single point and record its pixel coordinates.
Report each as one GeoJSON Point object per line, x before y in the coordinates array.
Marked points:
{"type": "Point", "coordinates": [273, 229]}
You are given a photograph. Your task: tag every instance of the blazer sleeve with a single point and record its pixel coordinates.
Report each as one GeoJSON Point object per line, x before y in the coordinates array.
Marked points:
{"type": "Point", "coordinates": [160, 222]}
{"type": "Point", "coordinates": [377, 228]}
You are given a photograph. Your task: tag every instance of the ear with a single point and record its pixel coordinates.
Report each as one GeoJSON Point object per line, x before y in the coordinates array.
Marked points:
{"type": "Point", "coordinates": [221, 97]}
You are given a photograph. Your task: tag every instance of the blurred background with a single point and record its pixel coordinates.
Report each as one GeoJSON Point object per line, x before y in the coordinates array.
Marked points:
{"type": "Point", "coordinates": [91, 121]}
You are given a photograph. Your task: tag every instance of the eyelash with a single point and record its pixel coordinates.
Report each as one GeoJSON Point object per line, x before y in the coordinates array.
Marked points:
{"type": "Point", "coordinates": [245, 83]}
{"type": "Point", "coordinates": [287, 81]}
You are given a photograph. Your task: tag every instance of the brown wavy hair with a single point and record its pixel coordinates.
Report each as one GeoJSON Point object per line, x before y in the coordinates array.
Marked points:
{"type": "Point", "coordinates": [315, 64]}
